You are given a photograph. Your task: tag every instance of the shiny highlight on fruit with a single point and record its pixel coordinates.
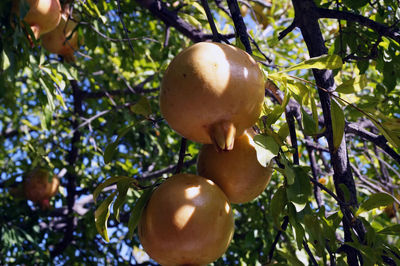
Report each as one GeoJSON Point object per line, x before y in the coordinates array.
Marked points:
{"type": "Point", "coordinates": [43, 15]}
{"type": "Point", "coordinates": [212, 92]}
{"type": "Point", "coordinates": [187, 221]}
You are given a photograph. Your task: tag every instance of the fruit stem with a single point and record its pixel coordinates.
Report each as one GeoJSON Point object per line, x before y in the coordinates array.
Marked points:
{"type": "Point", "coordinates": [223, 134]}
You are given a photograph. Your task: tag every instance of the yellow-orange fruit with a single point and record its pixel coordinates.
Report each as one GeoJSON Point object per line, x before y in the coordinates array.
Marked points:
{"type": "Point", "coordinates": [43, 16]}
{"type": "Point", "coordinates": [236, 172]}
{"type": "Point", "coordinates": [187, 221]}
{"type": "Point", "coordinates": [60, 41]}
{"type": "Point", "coordinates": [37, 187]}
{"type": "Point", "coordinates": [212, 92]}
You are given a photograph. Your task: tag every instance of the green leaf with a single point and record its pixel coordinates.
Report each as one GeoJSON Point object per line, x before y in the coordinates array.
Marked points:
{"type": "Point", "coordinates": [101, 216]}
{"type": "Point", "coordinates": [291, 259]}
{"type": "Point", "coordinates": [109, 182]}
{"type": "Point", "coordinates": [355, 4]}
{"type": "Point", "coordinates": [299, 230]}
{"type": "Point", "coordinates": [278, 203]}
{"type": "Point", "coordinates": [321, 62]}
{"type": "Point", "coordinates": [308, 123]}
{"type": "Point", "coordinates": [142, 107]}
{"type": "Point", "coordinates": [49, 93]}
{"type": "Point", "coordinates": [266, 149]}
{"type": "Point", "coordinates": [352, 85]}
{"type": "Point", "coordinates": [122, 187]}
{"type": "Point", "coordinates": [283, 131]}
{"type": "Point", "coordinates": [314, 111]}
{"type": "Point", "coordinates": [273, 116]}
{"type": "Point", "coordinates": [338, 123]}
{"type": "Point", "coordinates": [300, 190]}
{"type": "Point", "coordinates": [5, 61]}
{"type": "Point", "coordinates": [137, 210]}
{"type": "Point", "coordinates": [288, 171]}
{"type": "Point", "coordinates": [375, 201]}
{"type": "Point", "coordinates": [112, 147]}
{"type": "Point", "coordinates": [299, 90]}
{"type": "Point", "coordinates": [389, 135]}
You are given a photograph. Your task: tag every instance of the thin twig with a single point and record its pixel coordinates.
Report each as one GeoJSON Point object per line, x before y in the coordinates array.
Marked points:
{"type": "Point", "coordinates": [278, 235]}
{"type": "Point", "coordinates": [216, 37]}
{"type": "Point", "coordinates": [182, 153]}
{"type": "Point", "coordinates": [312, 258]}
{"type": "Point", "coordinates": [123, 25]}
{"type": "Point", "coordinates": [239, 24]}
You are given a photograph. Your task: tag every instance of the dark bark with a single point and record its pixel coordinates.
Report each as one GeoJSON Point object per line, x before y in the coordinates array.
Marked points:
{"type": "Point", "coordinates": [240, 27]}
{"type": "Point", "coordinates": [381, 29]}
{"type": "Point", "coordinates": [170, 18]}
{"type": "Point", "coordinates": [72, 157]}
{"type": "Point", "coordinates": [306, 18]}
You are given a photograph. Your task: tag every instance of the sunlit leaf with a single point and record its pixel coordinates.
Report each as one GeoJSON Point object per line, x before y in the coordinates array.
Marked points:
{"type": "Point", "coordinates": [101, 216]}
{"type": "Point", "coordinates": [300, 190]}
{"type": "Point", "coordinates": [266, 149]}
{"type": "Point", "coordinates": [107, 183]}
{"type": "Point", "coordinates": [321, 62]}
{"type": "Point", "coordinates": [375, 201]}
{"type": "Point", "coordinates": [122, 188]}
{"type": "Point", "coordinates": [352, 85]}
{"type": "Point", "coordinates": [338, 123]}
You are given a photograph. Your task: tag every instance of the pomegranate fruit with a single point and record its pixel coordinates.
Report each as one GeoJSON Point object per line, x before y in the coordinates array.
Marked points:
{"type": "Point", "coordinates": [212, 92]}
{"type": "Point", "coordinates": [60, 41]}
{"type": "Point", "coordinates": [187, 221]}
{"type": "Point", "coordinates": [43, 15]}
{"type": "Point", "coordinates": [236, 172]}
{"type": "Point", "coordinates": [37, 187]}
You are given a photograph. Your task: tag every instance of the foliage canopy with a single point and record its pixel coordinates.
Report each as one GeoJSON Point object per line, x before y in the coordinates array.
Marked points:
{"type": "Point", "coordinates": [96, 123]}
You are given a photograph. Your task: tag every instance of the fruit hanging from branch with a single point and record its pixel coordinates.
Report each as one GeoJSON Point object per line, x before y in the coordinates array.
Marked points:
{"type": "Point", "coordinates": [63, 40]}
{"type": "Point", "coordinates": [212, 92]}
{"type": "Point", "coordinates": [237, 172]}
{"type": "Point", "coordinates": [43, 15]}
{"type": "Point", "coordinates": [187, 221]}
{"type": "Point", "coordinates": [38, 188]}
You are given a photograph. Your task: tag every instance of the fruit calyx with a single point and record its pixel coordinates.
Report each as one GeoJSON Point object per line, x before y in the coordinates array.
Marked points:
{"type": "Point", "coordinates": [223, 135]}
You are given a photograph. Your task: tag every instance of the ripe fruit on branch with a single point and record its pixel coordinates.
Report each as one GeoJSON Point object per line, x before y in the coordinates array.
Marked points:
{"type": "Point", "coordinates": [212, 92]}
{"type": "Point", "coordinates": [43, 16]}
{"type": "Point", "coordinates": [37, 187]}
{"type": "Point", "coordinates": [60, 41]}
{"type": "Point", "coordinates": [187, 221]}
{"type": "Point", "coordinates": [236, 172]}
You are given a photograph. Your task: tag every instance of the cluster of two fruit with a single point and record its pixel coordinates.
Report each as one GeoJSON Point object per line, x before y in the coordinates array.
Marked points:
{"type": "Point", "coordinates": [210, 93]}
{"type": "Point", "coordinates": [48, 21]}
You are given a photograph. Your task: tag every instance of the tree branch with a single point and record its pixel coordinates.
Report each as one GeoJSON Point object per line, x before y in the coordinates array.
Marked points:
{"type": "Point", "coordinates": [306, 17]}
{"type": "Point", "coordinates": [240, 27]}
{"type": "Point", "coordinates": [381, 29]}
{"type": "Point", "coordinates": [71, 175]}
{"type": "Point", "coordinates": [170, 18]}
{"type": "Point", "coordinates": [378, 140]}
